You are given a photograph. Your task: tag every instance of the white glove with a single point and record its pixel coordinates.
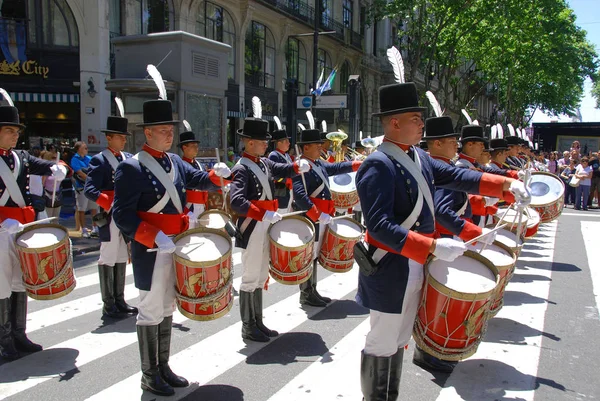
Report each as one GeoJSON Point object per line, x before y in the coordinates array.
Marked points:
{"type": "Point", "coordinates": [522, 196]}
{"type": "Point", "coordinates": [58, 172]}
{"type": "Point", "coordinates": [325, 218]}
{"type": "Point", "coordinates": [194, 214]}
{"type": "Point", "coordinates": [489, 236]}
{"type": "Point", "coordinates": [303, 166]}
{"type": "Point", "coordinates": [226, 189]}
{"type": "Point", "coordinates": [271, 217]}
{"type": "Point", "coordinates": [489, 201]}
{"type": "Point", "coordinates": [164, 243]}
{"type": "Point", "coordinates": [448, 249]}
{"type": "Point", "coordinates": [221, 170]}
{"type": "Point", "coordinates": [11, 226]}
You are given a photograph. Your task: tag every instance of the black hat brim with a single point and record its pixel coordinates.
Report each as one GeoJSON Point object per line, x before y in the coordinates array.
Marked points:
{"type": "Point", "coordinates": [172, 122]}
{"type": "Point", "coordinates": [500, 148]}
{"type": "Point", "coordinates": [453, 135]}
{"type": "Point", "coordinates": [265, 137]}
{"type": "Point", "coordinates": [309, 142]}
{"type": "Point", "coordinates": [189, 141]}
{"type": "Point", "coordinates": [473, 139]}
{"type": "Point", "coordinates": [399, 111]}
{"type": "Point", "coordinates": [9, 124]}
{"type": "Point", "coordinates": [108, 131]}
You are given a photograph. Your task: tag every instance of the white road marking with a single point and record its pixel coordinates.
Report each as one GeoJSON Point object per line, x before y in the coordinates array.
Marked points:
{"type": "Point", "coordinates": [590, 231]}
{"type": "Point", "coordinates": [581, 214]}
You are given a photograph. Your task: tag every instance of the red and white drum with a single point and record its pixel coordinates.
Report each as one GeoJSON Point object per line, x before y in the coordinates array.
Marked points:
{"type": "Point", "coordinates": [291, 243]}
{"type": "Point", "coordinates": [343, 190]}
{"type": "Point", "coordinates": [203, 278]}
{"type": "Point", "coordinates": [509, 239]}
{"type": "Point", "coordinates": [547, 195]}
{"type": "Point", "coordinates": [214, 219]}
{"type": "Point", "coordinates": [454, 310]}
{"type": "Point", "coordinates": [504, 259]}
{"type": "Point", "coordinates": [337, 251]}
{"type": "Point", "coordinates": [530, 221]}
{"type": "Point", "coordinates": [46, 261]}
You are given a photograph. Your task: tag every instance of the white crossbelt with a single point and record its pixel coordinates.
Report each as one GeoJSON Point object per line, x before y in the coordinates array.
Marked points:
{"type": "Point", "coordinates": [464, 163]}
{"type": "Point", "coordinates": [167, 180]}
{"type": "Point", "coordinates": [261, 175]}
{"type": "Point", "coordinates": [112, 160]}
{"type": "Point", "coordinates": [324, 181]}
{"type": "Point", "coordinates": [10, 181]}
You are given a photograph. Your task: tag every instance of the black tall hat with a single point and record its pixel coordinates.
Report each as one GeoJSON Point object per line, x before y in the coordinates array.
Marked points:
{"type": "Point", "coordinates": [279, 135]}
{"type": "Point", "coordinates": [358, 145]}
{"type": "Point", "coordinates": [472, 133]}
{"type": "Point", "coordinates": [160, 111]}
{"type": "Point", "coordinates": [117, 124]}
{"type": "Point", "coordinates": [498, 144]}
{"type": "Point", "coordinates": [513, 141]}
{"type": "Point", "coordinates": [9, 115]}
{"type": "Point", "coordinates": [255, 128]}
{"type": "Point", "coordinates": [398, 98]}
{"type": "Point", "coordinates": [188, 135]}
{"type": "Point", "coordinates": [439, 127]}
{"type": "Point", "coordinates": [310, 136]}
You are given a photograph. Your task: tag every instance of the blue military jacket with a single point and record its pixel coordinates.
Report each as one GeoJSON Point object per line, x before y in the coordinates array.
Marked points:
{"type": "Point", "coordinates": [101, 177]}
{"type": "Point", "coordinates": [387, 195]}
{"type": "Point", "coordinates": [246, 188]}
{"type": "Point", "coordinates": [138, 190]}
{"type": "Point", "coordinates": [28, 165]}
{"type": "Point", "coordinates": [279, 183]}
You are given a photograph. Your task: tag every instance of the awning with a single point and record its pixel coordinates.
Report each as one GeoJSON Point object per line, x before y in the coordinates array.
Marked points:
{"type": "Point", "coordinates": [45, 97]}
{"type": "Point", "coordinates": [239, 114]}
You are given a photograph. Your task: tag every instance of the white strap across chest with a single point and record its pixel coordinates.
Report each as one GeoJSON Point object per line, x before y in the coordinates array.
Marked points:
{"type": "Point", "coordinates": [112, 160]}
{"type": "Point", "coordinates": [324, 181]}
{"type": "Point", "coordinates": [167, 180]}
{"type": "Point", "coordinates": [261, 175]}
{"type": "Point", "coordinates": [464, 163]}
{"type": "Point", "coordinates": [10, 181]}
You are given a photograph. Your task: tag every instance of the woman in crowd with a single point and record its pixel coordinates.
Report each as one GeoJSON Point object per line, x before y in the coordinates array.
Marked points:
{"type": "Point", "coordinates": [552, 163]}
{"type": "Point", "coordinates": [568, 173]}
{"type": "Point", "coordinates": [582, 192]}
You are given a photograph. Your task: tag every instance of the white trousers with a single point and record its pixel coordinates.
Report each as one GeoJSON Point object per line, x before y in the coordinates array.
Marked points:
{"type": "Point", "coordinates": [114, 251]}
{"type": "Point", "coordinates": [319, 243]}
{"type": "Point", "coordinates": [197, 210]}
{"type": "Point", "coordinates": [390, 331]}
{"type": "Point", "coordinates": [159, 302]}
{"type": "Point", "coordinates": [11, 275]}
{"type": "Point", "coordinates": [255, 259]}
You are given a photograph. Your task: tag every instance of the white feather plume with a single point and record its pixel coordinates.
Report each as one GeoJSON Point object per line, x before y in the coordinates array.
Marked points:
{"type": "Point", "coordinates": [511, 130]}
{"type": "Point", "coordinates": [475, 122]}
{"type": "Point", "coordinates": [437, 109]}
{"type": "Point", "coordinates": [323, 126]}
{"type": "Point", "coordinates": [256, 107]}
{"type": "Point", "coordinates": [500, 131]}
{"type": "Point", "coordinates": [7, 97]}
{"type": "Point", "coordinates": [494, 133]}
{"type": "Point", "coordinates": [187, 125]}
{"type": "Point", "coordinates": [311, 119]}
{"type": "Point", "coordinates": [120, 106]}
{"type": "Point", "coordinates": [301, 127]}
{"type": "Point", "coordinates": [278, 122]}
{"type": "Point", "coordinates": [360, 135]}
{"type": "Point", "coordinates": [524, 134]}
{"type": "Point", "coordinates": [536, 146]}
{"type": "Point", "coordinates": [467, 116]}
{"type": "Point", "coordinates": [158, 81]}
{"type": "Point", "coordinates": [395, 59]}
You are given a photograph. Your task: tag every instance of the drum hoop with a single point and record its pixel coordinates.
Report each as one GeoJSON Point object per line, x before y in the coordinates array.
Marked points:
{"type": "Point", "coordinates": [296, 273]}
{"type": "Point", "coordinates": [44, 248]}
{"type": "Point", "coordinates": [360, 226]}
{"type": "Point", "coordinates": [292, 248]}
{"type": "Point", "coordinates": [510, 252]}
{"type": "Point", "coordinates": [204, 264]}
{"type": "Point", "coordinates": [463, 296]}
{"type": "Point", "coordinates": [214, 211]}
{"type": "Point", "coordinates": [205, 318]}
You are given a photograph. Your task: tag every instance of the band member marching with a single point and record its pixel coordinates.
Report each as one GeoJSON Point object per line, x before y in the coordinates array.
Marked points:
{"type": "Point", "coordinates": [149, 208]}
{"type": "Point", "coordinates": [252, 197]}
{"type": "Point", "coordinates": [514, 147]}
{"type": "Point", "coordinates": [395, 186]}
{"type": "Point", "coordinates": [15, 210]}
{"type": "Point", "coordinates": [498, 152]}
{"type": "Point", "coordinates": [196, 199]}
{"type": "Point", "coordinates": [283, 186]}
{"type": "Point", "coordinates": [99, 188]}
{"type": "Point", "coordinates": [316, 200]}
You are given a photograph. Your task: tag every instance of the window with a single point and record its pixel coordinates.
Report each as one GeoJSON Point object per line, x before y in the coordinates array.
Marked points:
{"type": "Point", "coordinates": [205, 115]}
{"type": "Point", "coordinates": [326, 12]}
{"type": "Point", "coordinates": [347, 7]}
{"type": "Point", "coordinates": [344, 75]}
{"type": "Point", "coordinates": [324, 63]}
{"type": "Point", "coordinates": [151, 16]}
{"type": "Point", "coordinates": [214, 22]}
{"type": "Point", "coordinates": [52, 24]}
{"type": "Point", "coordinates": [260, 56]}
{"type": "Point", "coordinates": [295, 61]}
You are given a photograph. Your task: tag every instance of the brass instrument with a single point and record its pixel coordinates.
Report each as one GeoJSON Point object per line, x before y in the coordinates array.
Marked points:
{"type": "Point", "coordinates": [369, 144]}
{"type": "Point", "coordinates": [356, 155]}
{"type": "Point", "coordinates": [336, 139]}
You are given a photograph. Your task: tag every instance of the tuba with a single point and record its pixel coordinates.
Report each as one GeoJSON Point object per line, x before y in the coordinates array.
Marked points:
{"type": "Point", "coordinates": [336, 139]}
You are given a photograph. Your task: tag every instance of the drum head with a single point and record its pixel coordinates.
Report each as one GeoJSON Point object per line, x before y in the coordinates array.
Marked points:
{"type": "Point", "coordinates": [213, 219]}
{"type": "Point", "coordinates": [343, 183]}
{"type": "Point", "coordinates": [545, 188]}
{"type": "Point", "coordinates": [464, 274]}
{"type": "Point", "coordinates": [202, 247]}
{"type": "Point", "coordinates": [511, 217]}
{"type": "Point", "coordinates": [291, 232]}
{"type": "Point", "coordinates": [41, 237]}
{"type": "Point", "coordinates": [534, 217]}
{"type": "Point", "coordinates": [346, 228]}
{"type": "Point", "coordinates": [495, 254]}
{"type": "Point", "coordinates": [507, 237]}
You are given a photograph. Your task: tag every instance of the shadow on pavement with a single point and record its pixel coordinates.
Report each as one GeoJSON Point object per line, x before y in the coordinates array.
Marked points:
{"type": "Point", "coordinates": [288, 347]}
{"type": "Point", "coordinates": [58, 362]}
{"type": "Point", "coordinates": [341, 309]}
{"type": "Point", "coordinates": [214, 392]}
{"type": "Point", "coordinates": [506, 331]}
{"type": "Point", "coordinates": [516, 298]}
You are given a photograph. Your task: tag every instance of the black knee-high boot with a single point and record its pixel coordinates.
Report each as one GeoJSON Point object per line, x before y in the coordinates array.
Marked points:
{"type": "Point", "coordinates": [250, 330]}
{"type": "Point", "coordinates": [19, 322]}
{"type": "Point", "coordinates": [107, 289]}
{"type": "Point", "coordinates": [119, 290]}
{"type": "Point", "coordinates": [152, 380]}
{"type": "Point", "coordinates": [396, 361]}
{"type": "Point", "coordinates": [7, 344]}
{"type": "Point", "coordinates": [164, 351]}
{"type": "Point", "coordinates": [308, 292]}
{"type": "Point", "coordinates": [374, 376]}
{"type": "Point", "coordinates": [258, 314]}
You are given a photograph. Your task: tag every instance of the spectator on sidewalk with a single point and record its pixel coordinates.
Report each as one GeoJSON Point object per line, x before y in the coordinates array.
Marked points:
{"type": "Point", "coordinates": [552, 163]}
{"type": "Point", "coordinates": [566, 175]}
{"type": "Point", "coordinates": [80, 165]}
{"type": "Point", "coordinates": [595, 187]}
{"type": "Point", "coordinates": [52, 209]}
{"type": "Point", "coordinates": [564, 161]}
{"type": "Point", "coordinates": [582, 192]}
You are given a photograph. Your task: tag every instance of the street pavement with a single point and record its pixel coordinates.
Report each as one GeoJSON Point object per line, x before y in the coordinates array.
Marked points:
{"type": "Point", "coordinates": [543, 345]}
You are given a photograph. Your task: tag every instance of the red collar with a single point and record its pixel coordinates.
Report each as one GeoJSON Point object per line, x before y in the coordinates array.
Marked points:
{"type": "Point", "coordinates": [308, 158]}
{"type": "Point", "coordinates": [283, 153]}
{"type": "Point", "coordinates": [5, 152]}
{"type": "Point", "coordinates": [402, 146]}
{"type": "Point", "coordinates": [442, 158]}
{"type": "Point", "coordinates": [253, 158]}
{"type": "Point", "coordinates": [114, 152]}
{"type": "Point", "coordinates": [191, 161]}
{"type": "Point", "coordinates": [497, 164]}
{"type": "Point", "coordinates": [468, 158]}
{"type": "Point", "coordinates": [153, 152]}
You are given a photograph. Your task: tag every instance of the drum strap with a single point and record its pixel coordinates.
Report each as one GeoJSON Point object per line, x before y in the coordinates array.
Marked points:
{"type": "Point", "coordinates": [261, 175]}
{"type": "Point", "coordinates": [463, 209]}
{"type": "Point", "coordinates": [324, 181]}
{"type": "Point", "coordinates": [10, 181]}
{"type": "Point", "coordinates": [167, 180]}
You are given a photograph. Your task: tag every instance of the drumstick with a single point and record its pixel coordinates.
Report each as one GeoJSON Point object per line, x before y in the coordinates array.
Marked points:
{"type": "Point", "coordinates": [302, 174]}
{"type": "Point", "coordinates": [342, 216]}
{"type": "Point", "coordinates": [221, 178]}
{"type": "Point", "coordinates": [54, 186]}
{"type": "Point", "coordinates": [483, 235]}
{"type": "Point", "coordinates": [49, 219]}
{"type": "Point", "coordinates": [293, 213]}
{"type": "Point", "coordinates": [178, 247]}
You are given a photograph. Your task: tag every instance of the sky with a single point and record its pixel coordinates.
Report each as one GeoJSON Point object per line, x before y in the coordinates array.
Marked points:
{"type": "Point", "coordinates": [588, 18]}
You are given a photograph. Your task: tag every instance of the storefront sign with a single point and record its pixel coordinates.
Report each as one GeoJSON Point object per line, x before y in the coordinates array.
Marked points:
{"type": "Point", "coordinates": [323, 102]}
{"type": "Point", "coordinates": [29, 67]}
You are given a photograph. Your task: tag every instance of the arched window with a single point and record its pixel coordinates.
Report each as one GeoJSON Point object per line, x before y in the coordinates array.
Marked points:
{"type": "Point", "coordinates": [260, 56]}
{"type": "Point", "coordinates": [344, 75]}
{"type": "Point", "coordinates": [214, 22]}
{"type": "Point", "coordinates": [52, 24]}
{"type": "Point", "coordinates": [295, 62]}
{"type": "Point", "coordinates": [152, 16]}
{"type": "Point", "coordinates": [324, 63]}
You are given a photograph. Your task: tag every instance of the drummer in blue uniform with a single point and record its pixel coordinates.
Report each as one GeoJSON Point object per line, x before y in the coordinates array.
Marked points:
{"type": "Point", "coordinates": [252, 198]}
{"type": "Point", "coordinates": [316, 200]}
{"type": "Point", "coordinates": [513, 159]}
{"type": "Point", "coordinates": [99, 187]}
{"type": "Point", "coordinates": [150, 196]}
{"type": "Point", "coordinates": [283, 186]}
{"type": "Point", "coordinates": [395, 186]}
{"type": "Point", "coordinates": [498, 153]}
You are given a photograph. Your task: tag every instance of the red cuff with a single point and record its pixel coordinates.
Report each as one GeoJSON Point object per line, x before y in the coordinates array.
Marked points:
{"type": "Point", "coordinates": [477, 203]}
{"type": "Point", "coordinates": [356, 165]}
{"type": "Point", "coordinates": [491, 210]}
{"type": "Point", "coordinates": [145, 234]}
{"type": "Point", "coordinates": [491, 185]}
{"type": "Point", "coordinates": [289, 184]}
{"type": "Point", "coordinates": [104, 201]}
{"type": "Point", "coordinates": [215, 179]}
{"type": "Point", "coordinates": [256, 213]}
{"type": "Point", "coordinates": [313, 213]}
{"type": "Point", "coordinates": [513, 174]}
{"type": "Point", "coordinates": [508, 197]}
{"type": "Point", "coordinates": [416, 247]}
{"type": "Point", "coordinates": [470, 231]}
